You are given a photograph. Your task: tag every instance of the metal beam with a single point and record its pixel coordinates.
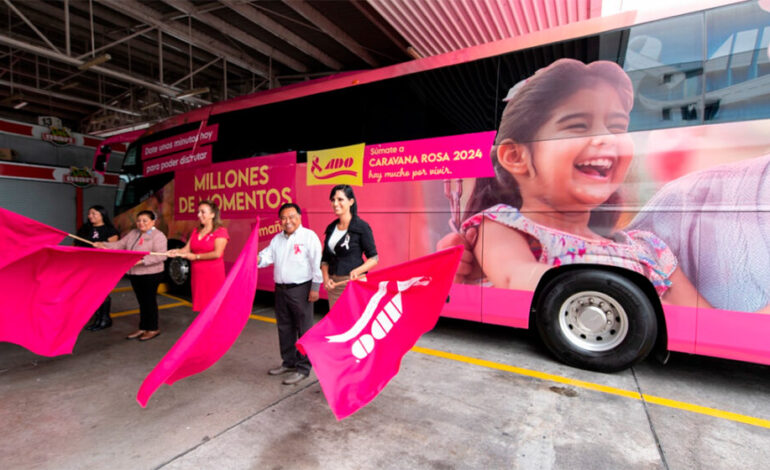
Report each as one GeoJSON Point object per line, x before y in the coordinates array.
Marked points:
{"type": "Point", "coordinates": [67, 48]}
{"type": "Point", "coordinates": [164, 90]}
{"type": "Point", "coordinates": [399, 41]}
{"type": "Point", "coordinates": [56, 72]}
{"type": "Point", "coordinates": [160, 56]}
{"type": "Point", "coordinates": [237, 34]}
{"type": "Point", "coordinates": [139, 11]}
{"type": "Point", "coordinates": [143, 47]}
{"type": "Point", "coordinates": [115, 43]}
{"type": "Point", "coordinates": [62, 96]}
{"type": "Point", "coordinates": [29, 23]}
{"type": "Point", "coordinates": [38, 108]}
{"type": "Point", "coordinates": [105, 13]}
{"type": "Point", "coordinates": [147, 54]}
{"type": "Point", "coordinates": [48, 82]}
{"type": "Point", "coordinates": [14, 61]}
{"type": "Point", "coordinates": [195, 72]}
{"type": "Point", "coordinates": [329, 28]}
{"type": "Point", "coordinates": [57, 104]}
{"type": "Point", "coordinates": [296, 41]}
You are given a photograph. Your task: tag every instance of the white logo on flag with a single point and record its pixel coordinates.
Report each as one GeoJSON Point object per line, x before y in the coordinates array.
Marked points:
{"type": "Point", "coordinates": [382, 323]}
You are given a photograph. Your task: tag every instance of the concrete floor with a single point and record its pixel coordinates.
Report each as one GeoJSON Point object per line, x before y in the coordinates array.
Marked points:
{"type": "Point", "coordinates": [79, 411]}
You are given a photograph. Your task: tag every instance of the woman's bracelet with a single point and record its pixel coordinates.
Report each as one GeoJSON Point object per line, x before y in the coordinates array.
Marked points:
{"type": "Point", "coordinates": [197, 256]}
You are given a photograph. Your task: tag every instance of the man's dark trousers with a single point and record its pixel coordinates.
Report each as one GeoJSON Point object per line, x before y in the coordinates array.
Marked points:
{"type": "Point", "coordinates": [294, 316]}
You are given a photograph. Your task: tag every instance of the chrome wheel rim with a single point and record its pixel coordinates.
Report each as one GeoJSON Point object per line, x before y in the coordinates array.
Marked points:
{"type": "Point", "coordinates": [593, 321]}
{"type": "Point", "coordinates": [178, 270]}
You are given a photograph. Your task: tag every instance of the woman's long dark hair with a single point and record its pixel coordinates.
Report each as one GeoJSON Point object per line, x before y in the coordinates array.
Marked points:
{"type": "Point", "coordinates": [347, 190]}
{"type": "Point", "coordinates": [528, 110]}
{"type": "Point", "coordinates": [105, 217]}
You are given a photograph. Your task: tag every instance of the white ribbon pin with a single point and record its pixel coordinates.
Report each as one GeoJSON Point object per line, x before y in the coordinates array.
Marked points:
{"type": "Point", "coordinates": [346, 243]}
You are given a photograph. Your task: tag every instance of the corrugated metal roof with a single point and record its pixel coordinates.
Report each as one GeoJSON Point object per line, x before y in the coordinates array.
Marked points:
{"type": "Point", "coordinates": [438, 26]}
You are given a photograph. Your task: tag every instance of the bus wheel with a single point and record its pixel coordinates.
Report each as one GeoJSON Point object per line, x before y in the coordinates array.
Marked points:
{"type": "Point", "coordinates": [597, 320]}
{"type": "Point", "coordinates": [177, 271]}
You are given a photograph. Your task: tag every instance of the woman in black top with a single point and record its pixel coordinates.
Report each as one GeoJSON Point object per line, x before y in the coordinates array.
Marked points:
{"type": "Point", "coordinates": [347, 240]}
{"type": "Point", "coordinates": [98, 229]}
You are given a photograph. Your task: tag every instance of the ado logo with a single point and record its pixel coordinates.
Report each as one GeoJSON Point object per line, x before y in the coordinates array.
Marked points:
{"type": "Point", "coordinates": [333, 168]}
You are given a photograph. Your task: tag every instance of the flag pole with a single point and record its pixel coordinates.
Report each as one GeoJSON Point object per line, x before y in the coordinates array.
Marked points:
{"type": "Point", "coordinates": [342, 283]}
{"type": "Point", "coordinates": [154, 253]}
{"type": "Point", "coordinates": [80, 239]}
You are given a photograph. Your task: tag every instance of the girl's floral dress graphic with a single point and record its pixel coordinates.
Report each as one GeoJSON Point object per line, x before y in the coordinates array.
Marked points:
{"type": "Point", "coordinates": [637, 250]}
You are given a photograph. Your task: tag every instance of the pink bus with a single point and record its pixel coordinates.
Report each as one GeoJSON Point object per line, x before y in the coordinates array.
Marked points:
{"type": "Point", "coordinates": [609, 179]}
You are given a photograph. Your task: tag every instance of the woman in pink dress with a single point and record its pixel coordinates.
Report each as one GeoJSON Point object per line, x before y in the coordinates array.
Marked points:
{"type": "Point", "coordinates": [204, 250]}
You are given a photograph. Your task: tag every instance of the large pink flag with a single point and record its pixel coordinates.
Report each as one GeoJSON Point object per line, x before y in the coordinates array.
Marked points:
{"type": "Point", "coordinates": [216, 328]}
{"type": "Point", "coordinates": [357, 348]}
{"type": "Point", "coordinates": [20, 236]}
{"type": "Point", "coordinates": [47, 296]}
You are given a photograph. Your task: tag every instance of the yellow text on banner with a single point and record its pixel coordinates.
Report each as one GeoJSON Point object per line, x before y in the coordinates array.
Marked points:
{"type": "Point", "coordinates": [341, 165]}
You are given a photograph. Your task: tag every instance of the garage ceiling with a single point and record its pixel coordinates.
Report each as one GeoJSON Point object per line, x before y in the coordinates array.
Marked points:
{"type": "Point", "coordinates": [105, 65]}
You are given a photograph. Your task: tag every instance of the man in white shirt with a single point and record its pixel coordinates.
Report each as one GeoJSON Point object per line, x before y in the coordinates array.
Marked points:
{"type": "Point", "coordinates": [296, 253]}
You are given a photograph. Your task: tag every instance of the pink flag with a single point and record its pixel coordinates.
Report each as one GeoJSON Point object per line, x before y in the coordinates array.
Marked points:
{"type": "Point", "coordinates": [357, 348]}
{"type": "Point", "coordinates": [20, 236]}
{"type": "Point", "coordinates": [216, 328]}
{"type": "Point", "coordinates": [48, 296]}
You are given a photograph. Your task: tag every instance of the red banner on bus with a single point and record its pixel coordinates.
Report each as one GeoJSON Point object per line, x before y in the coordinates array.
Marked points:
{"type": "Point", "coordinates": [178, 161]}
{"type": "Point", "coordinates": [179, 142]}
{"type": "Point", "coordinates": [241, 188]}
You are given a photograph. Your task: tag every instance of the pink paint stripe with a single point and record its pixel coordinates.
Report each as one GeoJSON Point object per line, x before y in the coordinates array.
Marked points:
{"type": "Point", "coordinates": [735, 335]}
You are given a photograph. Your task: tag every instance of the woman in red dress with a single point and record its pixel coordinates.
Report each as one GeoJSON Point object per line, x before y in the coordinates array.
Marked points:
{"type": "Point", "coordinates": [204, 250]}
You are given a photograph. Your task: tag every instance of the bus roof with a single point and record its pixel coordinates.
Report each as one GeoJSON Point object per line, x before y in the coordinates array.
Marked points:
{"type": "Point", "coordinates": [482, 51]}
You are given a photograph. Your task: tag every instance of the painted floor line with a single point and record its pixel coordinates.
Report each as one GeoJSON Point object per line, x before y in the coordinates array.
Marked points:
{"type": "Point", "coordinates": [261, 318]}
{"type": "Point", "coordinates": [183, 301]}
{"type": "Point", "coordinates": [120, 289]}
{"type": "Point", "coordinates": [136, 310]}
{"type": "Point", "coordinates": [680, 405]}
{"type": "Point", "coordinates": [161, 289]}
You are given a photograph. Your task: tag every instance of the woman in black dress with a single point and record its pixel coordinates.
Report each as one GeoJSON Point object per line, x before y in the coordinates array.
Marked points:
{"type": "Point", "coordinates": [99, 228]}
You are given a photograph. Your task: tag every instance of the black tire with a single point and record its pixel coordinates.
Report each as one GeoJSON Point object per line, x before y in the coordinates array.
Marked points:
{"type": "Point", "coordinates": [177, 271]}
{"type": "Point", "coordinates": [597, 320]}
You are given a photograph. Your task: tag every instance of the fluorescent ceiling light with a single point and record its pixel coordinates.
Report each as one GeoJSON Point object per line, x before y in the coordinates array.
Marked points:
{"type": "Point", "coordinates": [16, 101]}
{"type": "Point", "coordinates": [192, 92]}
{"type": "Point", "coordinates": [95, 61]}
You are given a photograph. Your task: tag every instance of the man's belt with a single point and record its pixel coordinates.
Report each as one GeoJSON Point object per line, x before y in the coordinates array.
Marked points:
{"type": "Point", "coordinates": [291, 286]}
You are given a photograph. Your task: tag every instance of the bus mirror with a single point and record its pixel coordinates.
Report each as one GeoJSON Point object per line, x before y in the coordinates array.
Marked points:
{"type": "Point", "coordinates": [101, 157]}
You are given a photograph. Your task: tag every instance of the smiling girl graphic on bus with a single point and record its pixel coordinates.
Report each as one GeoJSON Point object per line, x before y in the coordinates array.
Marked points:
{"type": "Point", "coordinates": [560, 156]}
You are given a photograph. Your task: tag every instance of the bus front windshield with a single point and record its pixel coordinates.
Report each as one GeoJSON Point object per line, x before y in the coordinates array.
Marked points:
{"type": "Point", "coordinates": [132, 187]}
